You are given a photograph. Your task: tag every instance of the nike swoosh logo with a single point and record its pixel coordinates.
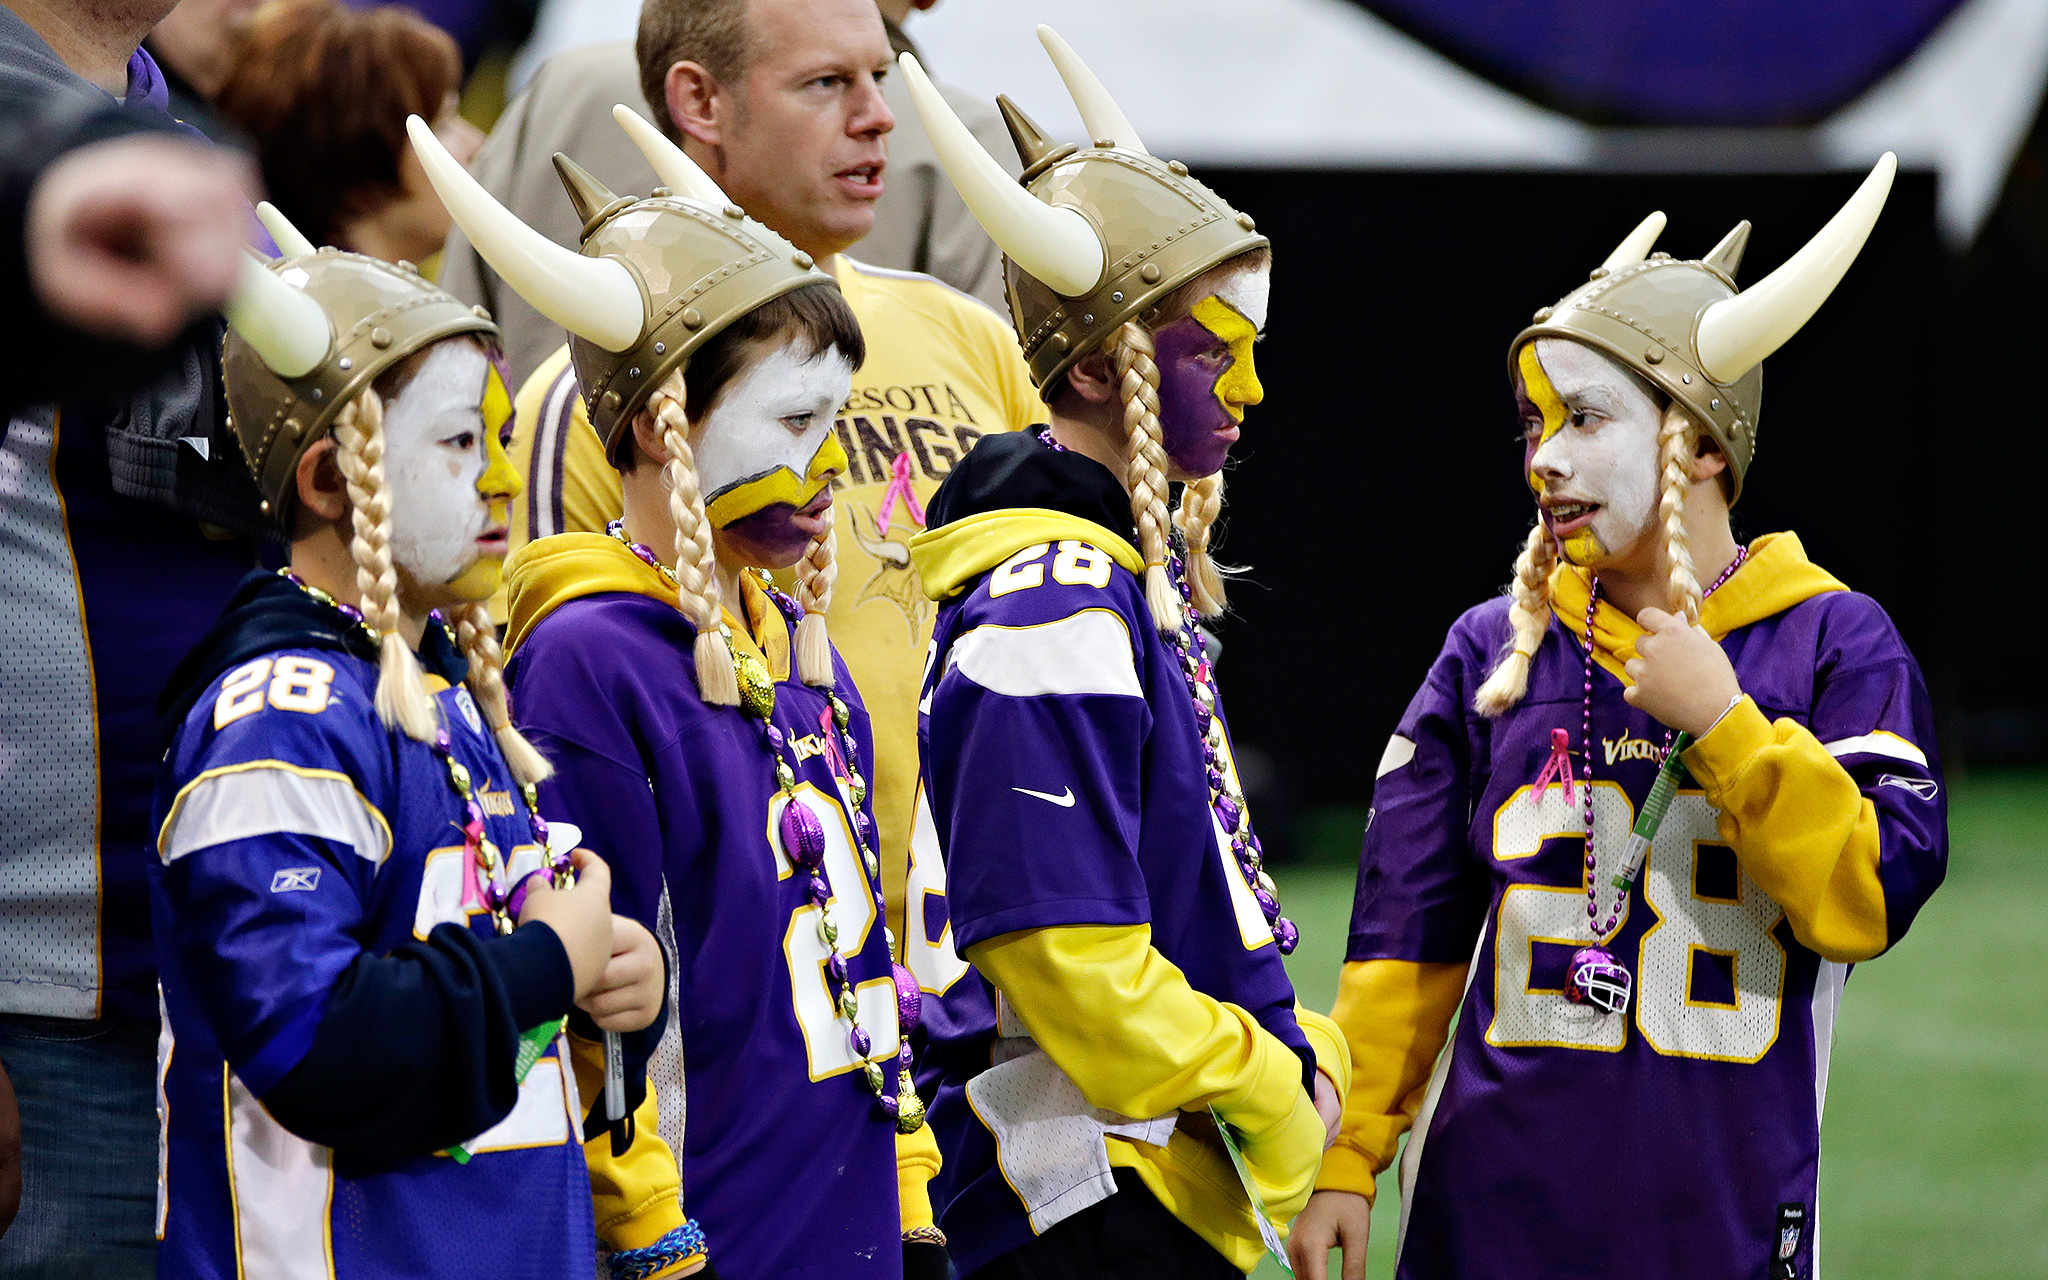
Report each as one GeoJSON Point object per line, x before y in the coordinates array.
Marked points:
{"type": "Point", "coordinates": [1065, 799]}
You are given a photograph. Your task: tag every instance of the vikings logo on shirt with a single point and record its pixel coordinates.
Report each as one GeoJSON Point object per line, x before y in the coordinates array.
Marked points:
{"type": "Point", "coordinates": [768, 439]}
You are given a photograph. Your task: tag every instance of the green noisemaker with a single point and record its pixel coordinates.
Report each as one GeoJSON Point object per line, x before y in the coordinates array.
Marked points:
{"type": "Point", "coordinates": [1652, 815]}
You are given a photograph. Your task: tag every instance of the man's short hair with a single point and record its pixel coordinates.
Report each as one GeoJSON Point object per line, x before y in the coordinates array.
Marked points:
{"type": "Point", "coordinates": [711, 33]}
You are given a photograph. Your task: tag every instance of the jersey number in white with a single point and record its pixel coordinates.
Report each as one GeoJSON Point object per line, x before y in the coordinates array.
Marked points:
{"type": "Point", "coordinates": [1076, 565]}
{"type": "Point", "coordinates": [852, 908]}
{"type": "Point", "coordinates": [1696, 930]}
{"type": "Point", "coordinates": [289, 684]}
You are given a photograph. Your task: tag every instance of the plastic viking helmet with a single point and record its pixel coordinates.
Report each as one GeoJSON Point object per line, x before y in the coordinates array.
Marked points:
{"type": "Point", "coordinates": [1685, 327]}
{"type": "Point", "coordinates": [307, 332]}
{"type": "Point", "coordinates": [656, 278]}
{"type": "Point", "coordinates": [1095, 234]}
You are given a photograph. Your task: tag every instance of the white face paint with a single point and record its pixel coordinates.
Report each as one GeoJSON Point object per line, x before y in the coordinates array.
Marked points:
{"type": "Point", "coordinates": [1603, 455]}
{"type": "Point", "coordinates": [1248, 292]}
{"type": "Point", "coordinates": [761, 442]}
{"type": "Point", "coordinates": [434, 455]}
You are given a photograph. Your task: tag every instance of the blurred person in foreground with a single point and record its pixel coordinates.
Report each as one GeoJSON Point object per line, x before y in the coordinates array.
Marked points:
{"type": "Point", "coordinates": [779, 100]}
{"type": "Point", "coordinates": [127, 520]}
{"type": "Point", "coordinates": [920, 223]}
{"type": "Point", "coordinates": [322, 92]}
{"type": "Point", "coordinates": [1645, 975]}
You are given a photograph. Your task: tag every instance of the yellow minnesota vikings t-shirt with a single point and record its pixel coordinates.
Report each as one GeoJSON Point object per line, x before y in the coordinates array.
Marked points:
{"type": "Point", "coordinates": [943, 370]}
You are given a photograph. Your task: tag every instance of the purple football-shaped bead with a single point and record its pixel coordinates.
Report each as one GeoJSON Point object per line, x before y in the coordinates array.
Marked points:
{"type": "Point", "coordinates": [861, 1041]}
{"type": "Point", "coordinates": [803, 836]}
{"type": "Point", "coordinates": [836, 966]}
{"type": "Point", "coordinates": [866, 826]}
{"type": "Point", "coordinates": [1226, 813]}
{"type": "Point", "coordinates": [1267, 902]}
{"type": "Point", "coordinates": [775, 737]}
{"type": "Point", "coordinates": [909, 1000]}
{"type": "Point", "coordinates": [1286, 935]}
{"type": "Point", "coordinates": [1215, 778]}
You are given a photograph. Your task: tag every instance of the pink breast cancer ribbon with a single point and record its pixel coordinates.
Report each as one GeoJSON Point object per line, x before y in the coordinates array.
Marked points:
{"type": "Point", "coordinates": [1558, 769]}
{"type": "Point", "coordinates": [899, 490]}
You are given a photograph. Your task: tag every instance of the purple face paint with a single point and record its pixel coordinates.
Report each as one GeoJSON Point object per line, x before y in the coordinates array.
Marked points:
{"type": "Point", "coordinates": [1197, 429]}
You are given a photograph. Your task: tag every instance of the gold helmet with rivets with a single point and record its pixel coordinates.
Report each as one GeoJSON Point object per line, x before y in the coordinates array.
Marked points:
{"type": "Point", "coordinates": [1094, 235]}
{"type": "Point", "coordinates": [307, 332]}
{"type": "Point", "coordinates": [657, 277]}
{"type": "Point", "coordinates": [1685, 327]}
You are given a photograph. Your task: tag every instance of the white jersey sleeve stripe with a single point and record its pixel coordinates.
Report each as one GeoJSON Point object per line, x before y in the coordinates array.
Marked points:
{"type": "Point", "coordinates": [1087, 653]}
{"type": "Point", "coordinates": [282, 1187]}
{"type": "Point", "coordinates": [270, 797]}
{"type": "Point", "coordinates": [1880, 743]}
{"type": "Point", "coordinates": [1399, 752]}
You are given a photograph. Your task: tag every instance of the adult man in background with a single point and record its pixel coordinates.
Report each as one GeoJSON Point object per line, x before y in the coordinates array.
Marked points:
{"type": "Point", "coordinates": [125, 518]}
{"type": "Point", "coordinates": [920, 223]}
{"type": "Point", "coordinates": [780, 101]}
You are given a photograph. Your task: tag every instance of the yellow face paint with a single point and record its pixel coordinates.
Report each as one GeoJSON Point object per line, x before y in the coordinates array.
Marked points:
{"type": "Point", "coordinates": [1583, 547]}
{"type": "Point", "coordinates": [780, 485]}
{"type": "Point", "coordinates": [498, 485]}
{"type": "Point", "coordinates": [1239, 385]}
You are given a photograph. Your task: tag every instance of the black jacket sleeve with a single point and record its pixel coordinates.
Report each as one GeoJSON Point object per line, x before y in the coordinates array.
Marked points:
{"type": "Point", "coordinates": [415, 1051]}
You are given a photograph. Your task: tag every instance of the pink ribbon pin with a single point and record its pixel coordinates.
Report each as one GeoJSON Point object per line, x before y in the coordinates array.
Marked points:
{"type": "Point", "coordinates": [899, 490]}
{"type": "Point", "coordinates": [1556, 769]}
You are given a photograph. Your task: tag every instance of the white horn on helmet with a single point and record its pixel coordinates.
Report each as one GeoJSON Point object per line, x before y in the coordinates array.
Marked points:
{"type": "Point", "coordinates": [671, 164]}
{"type": "Point", "coordinates": [1051, 244]}
{"type": "Point", "coordinates": [291, 242]}
{"type": "Point", "coordinates": [1636, 245]}
{"type": "Point", "coordinates": [1737, 333]}
{"type": "Point", "coordinates": [593, 298]}
{"type": "Point", "coordinates": [288, 330]}
{"type": "Point", "coordinates": [1099, 113]}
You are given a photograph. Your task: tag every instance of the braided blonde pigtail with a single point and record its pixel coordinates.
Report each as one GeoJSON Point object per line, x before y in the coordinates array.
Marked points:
{"type": "Point", "coordinates": [1145, 466]}
{"type": "Point", "coordinates": [1677, 441]}
{"type": "Point", "coordinates": [815, 574]}
{"type": "Point", "coordinates": [1530, 618]}
{"type": "Point", "coordinates": [697, 593]}
{"type": "Point", "coordinates": [402, 701]}
{"type": "Point", "coordinates": [479, 641]}
{"type": "Point", "coordinates": [1201, 502]}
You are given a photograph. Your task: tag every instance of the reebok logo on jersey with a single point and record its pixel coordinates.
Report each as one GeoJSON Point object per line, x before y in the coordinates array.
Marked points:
{"type": "Point", "coordinates": [1925, 788]}
{"type": "Point", "coordinates": [295, 880]}
{"type": "Point", "coordinates": [1065, 799]}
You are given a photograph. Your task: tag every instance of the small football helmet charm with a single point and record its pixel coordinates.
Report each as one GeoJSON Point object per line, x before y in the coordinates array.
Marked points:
{"type": "Point", "coordinates": [1598, 979]}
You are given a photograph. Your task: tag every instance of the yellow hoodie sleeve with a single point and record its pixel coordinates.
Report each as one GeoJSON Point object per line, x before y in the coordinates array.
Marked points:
{"type": "Point", "coordinates": [1395, 1015]}
{"type": "Point", "coordinates": [1800, 828]}
{"type": "Point", "coordinates": [1122, 1022]}
{"type": "Point", "coordinates": [637, 1197]}
{"type": "Point", "coordinates": [1326, 1041]}
{"type": "Point", "coordinates": [917, 1163]}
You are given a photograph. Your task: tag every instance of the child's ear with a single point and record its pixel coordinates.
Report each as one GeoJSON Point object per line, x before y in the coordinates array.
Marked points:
{"type": "Point", "coordinates": [1093, 378]}
{"type": "Point", "coordinates": [322, 491]}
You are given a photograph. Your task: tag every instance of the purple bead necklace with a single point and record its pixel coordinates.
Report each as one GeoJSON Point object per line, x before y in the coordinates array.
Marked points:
{"type": "Point", "coordinates": [1595, 966]}
{"type": "Point", "coordinates": [803, 840]}
{"type": "Point", "coordinates": [504, 901]}
{"type": "Point", "coordinates": [1225, 800]}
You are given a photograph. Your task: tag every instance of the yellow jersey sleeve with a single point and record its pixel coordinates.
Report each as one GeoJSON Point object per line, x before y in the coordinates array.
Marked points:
{"type": "Point", "coordinates": [636, 1197]}
{"type": "Point", "coordinates": [1395, 1016]}
{"type": "Point", "coordinates": [1800, 827]}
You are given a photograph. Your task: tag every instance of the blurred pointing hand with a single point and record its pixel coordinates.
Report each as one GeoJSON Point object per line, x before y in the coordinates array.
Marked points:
{"type": "Point", "coordinates": [134, 238]}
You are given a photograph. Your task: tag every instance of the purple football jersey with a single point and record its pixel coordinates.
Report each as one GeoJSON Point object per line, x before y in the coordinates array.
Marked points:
{"type": "Point", "coordinates": [1679, 1138]}
{"type": "Point", "coordinates": [1063, 785]}
{"type": "Point", "coordinates": [788, 1162]}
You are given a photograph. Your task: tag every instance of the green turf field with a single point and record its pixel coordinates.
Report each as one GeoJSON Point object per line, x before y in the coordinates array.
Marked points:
{"type": "Point", "coordinates": [1934, 1154]}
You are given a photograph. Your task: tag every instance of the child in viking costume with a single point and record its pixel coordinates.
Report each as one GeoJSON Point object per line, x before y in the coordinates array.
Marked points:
{"type": "Point", "coordinates": [367, 933]}
{"type": "Point", "coordinates": [708, 738]}
{"type": "Point", "coordinates": [1107, 966]}
{"type": "Point", "coordinates": [1636, 826]}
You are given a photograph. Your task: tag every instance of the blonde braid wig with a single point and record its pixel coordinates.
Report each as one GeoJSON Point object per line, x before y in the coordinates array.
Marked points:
{"type": "Point", "coordinates": [1529, 617]}
{"type": "Point", "coordinates": [479, 641]}
{"type": "Point", "coordinates": [402, 701]}
{"type": "Point", "coordinates": [1201, 503]}
{"type": "Point", "coordinates": [697, 593]}
{"type": "Point", "coordinates": [1145, 466]}
{"type": "Point", "coordinates": [1677, 445]}
{"type": "Point", "coordinates": [815, 575]}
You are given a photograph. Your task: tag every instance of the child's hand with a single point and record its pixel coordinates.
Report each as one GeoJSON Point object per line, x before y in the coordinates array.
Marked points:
{"type": "Point", "coordinates": [629, 992]}
{"type": "Point", "coordinates": [1681, 676]}
{"type": "Point", "coordinates": [581, 916]}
